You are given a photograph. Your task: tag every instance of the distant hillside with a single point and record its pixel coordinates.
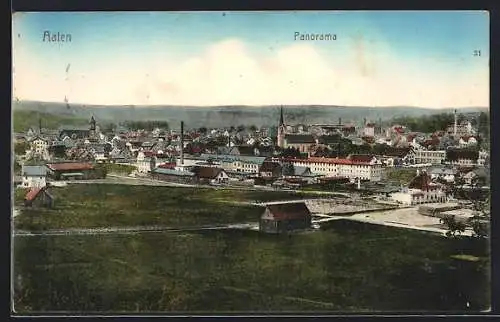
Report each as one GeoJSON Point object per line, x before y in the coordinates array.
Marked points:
{"type": "Point", "coordinates": [24, 119]}
{"type": "Point", "coordinates": [224, 116]}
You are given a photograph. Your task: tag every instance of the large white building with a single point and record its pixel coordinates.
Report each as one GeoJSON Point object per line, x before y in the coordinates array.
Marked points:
{"type": "Point", "coordinates": [236, 163]}
{"type": "Point", "coordinates": [34, 176]}
{"type": "Point", "coordinates": [229, 163]}
{"type": "Point", "coordinates": [426, 156]}
{"type": "Point", "coordinates": [354, 167]}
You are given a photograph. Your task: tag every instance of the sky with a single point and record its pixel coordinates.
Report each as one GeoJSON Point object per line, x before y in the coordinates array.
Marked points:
{"type": "Point", "coordinates": [395, 58]}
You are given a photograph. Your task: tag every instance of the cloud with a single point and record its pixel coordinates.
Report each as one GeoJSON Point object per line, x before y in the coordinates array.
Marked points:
{"type": "Point", "coordinates": [228, 73]}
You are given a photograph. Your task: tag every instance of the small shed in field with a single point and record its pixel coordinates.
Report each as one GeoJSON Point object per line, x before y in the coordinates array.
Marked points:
{"type": "Point", "coordinates": [285, 217]}
{"type": "Point", "coordinates": [38, 197]}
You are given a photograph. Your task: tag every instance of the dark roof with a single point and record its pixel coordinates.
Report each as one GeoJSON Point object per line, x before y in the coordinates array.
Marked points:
{"type": "Point", "coordinates": [285, 211]}
{"type": "Point", "coordinates": [330, 139]}
{"type": "Point", "coordinates": [268, 166]}
{"type": "Point", "coordinates": [206, 172]}
{"type": "Point", "coordinates": [455, 154]}
{"type": "Point", "coordinates": [242, 150]}
{"type": "Point", "coordinates": [299, 138]}
{"type": "Point", "coordinates": [361, 157]}
{"type": "Point", "coordinates": [421, 181]}
{"type": "Point", "coordinates": [397, 152]}
{"type": "Point", "coordinates": [302, 171]}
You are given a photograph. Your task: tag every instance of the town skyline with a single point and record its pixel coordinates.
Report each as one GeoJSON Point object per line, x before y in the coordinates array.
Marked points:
{"type": "Point", "coordinates": [253, 59]}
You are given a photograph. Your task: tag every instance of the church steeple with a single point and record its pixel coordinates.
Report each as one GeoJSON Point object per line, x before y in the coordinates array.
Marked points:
{"type": "Point", "coordinates": [92, 123]}
{"type": "Point", "coordinates": [281, 130]}
{"type": "Point", "coordinates": [282, 119]}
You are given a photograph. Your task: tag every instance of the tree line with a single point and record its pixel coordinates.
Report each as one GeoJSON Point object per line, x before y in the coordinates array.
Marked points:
{"type": "Point", "coordinates": [439, 122]}
{"type": "Point", "coordinates": [145, 125]}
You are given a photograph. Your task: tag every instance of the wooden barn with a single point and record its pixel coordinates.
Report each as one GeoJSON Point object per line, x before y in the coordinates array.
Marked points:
{"type": "Point", "coordinates": [285, 217]}
{"type": "Point", "coordinates": [72, 170]}
{"type": "Point", "coordinates": [38, 197]}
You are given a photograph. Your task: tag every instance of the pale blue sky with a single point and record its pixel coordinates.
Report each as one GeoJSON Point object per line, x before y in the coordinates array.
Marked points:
{"type": "Point", "coordinates": [161, 49]}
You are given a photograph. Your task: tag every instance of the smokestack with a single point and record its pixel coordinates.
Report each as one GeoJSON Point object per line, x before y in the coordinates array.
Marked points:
{"type": "Point", "coordinates": [364, 121]}
{"type": "Point", "coordinates": [455, 124]}
{"type": "Point", "coordinates": [182, 143]}
{"type": "Point", "coordinates": [340, 121]}
{"type": "Point", "coordinates": [40, 124]}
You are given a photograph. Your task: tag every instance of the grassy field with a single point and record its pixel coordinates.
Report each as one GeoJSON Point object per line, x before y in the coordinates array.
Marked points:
{"type": "Point", "coordinates": [122, 169]}
{"type": "Point", "coordinates": [91, 205]}
{"type": "Point", "coordinates": [400, 175]}
{"type": "Point", "coordinates": [350, 267]}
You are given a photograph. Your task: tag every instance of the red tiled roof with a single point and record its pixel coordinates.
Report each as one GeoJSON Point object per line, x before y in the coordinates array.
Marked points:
{"type": "Point", "coordinates": [167, 165]}
{"type": "Point", "coordinates": [289, 211]}
{"type": "Point", "coordinates": [31, 195]}
{"type": "Point", "coordinates": [70, 166]}
{"type": "Point", "coordinates": [410, 137]}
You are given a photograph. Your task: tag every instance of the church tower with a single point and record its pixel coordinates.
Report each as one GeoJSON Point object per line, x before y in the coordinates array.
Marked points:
{"type": "Point", "coordinates": [281, 130]}
{"type": "Point", "coordinates": [92, 128]}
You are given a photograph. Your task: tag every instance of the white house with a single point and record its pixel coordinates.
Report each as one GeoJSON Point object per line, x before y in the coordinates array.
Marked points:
{"type": "Point", "coordinates": [466, 141]}
{"type": "Point", "coordinates": [144, 162]}
{"type": "Point", "coordinates": [483, 158]}
{"type": "Point", "coordinates": [34, 176]}
{"type": "Point", "coordinates": [40, 147]}
{"type": "Point", "coordinates": [446, 174]}
{"type": "Point", "coordinates": [419, 191]}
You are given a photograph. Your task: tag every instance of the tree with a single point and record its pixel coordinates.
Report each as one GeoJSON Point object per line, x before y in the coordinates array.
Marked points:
{"type": "Point", "coordinates": [20, 148]}
{"type": "Point", "coordinates": [480, 228]}
{"type": "Point", "coordinates": [253, 128]}
{"type": "Point", "coordinates": [454, 227]}
{"type": "Point", "coordinates": [287, 169]}
{"type": "Point", "coordinates": [203, 130]}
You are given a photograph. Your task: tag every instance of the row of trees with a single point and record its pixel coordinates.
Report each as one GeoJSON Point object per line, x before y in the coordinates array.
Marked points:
{"type": "Point", "coordinates": [344, 148]}
{"type": "Point", "coordinates": [480, 204]}
{"type": "Point", "coordinates": [145, 125]}
{"type": "Point", "coordinates": [240, 128]}
{"type": "Point", "coordinates": [438, 122]}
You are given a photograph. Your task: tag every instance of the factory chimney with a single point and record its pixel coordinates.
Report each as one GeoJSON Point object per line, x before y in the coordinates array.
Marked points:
{"type": "Point", "coordinates": [364, 121]}
{"type": "Point", "coordinates": [182, 143]}
{"type": "Point", "coordinates": [455, 124]}
{"type": "Point", "coordinates": [340, 121]}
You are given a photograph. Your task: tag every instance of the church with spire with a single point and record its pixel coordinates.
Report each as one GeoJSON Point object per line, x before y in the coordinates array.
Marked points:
{"type": "Point", "coordinates": [281, 130]}
{"type": "Point", "coordinates": [92, 129]}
